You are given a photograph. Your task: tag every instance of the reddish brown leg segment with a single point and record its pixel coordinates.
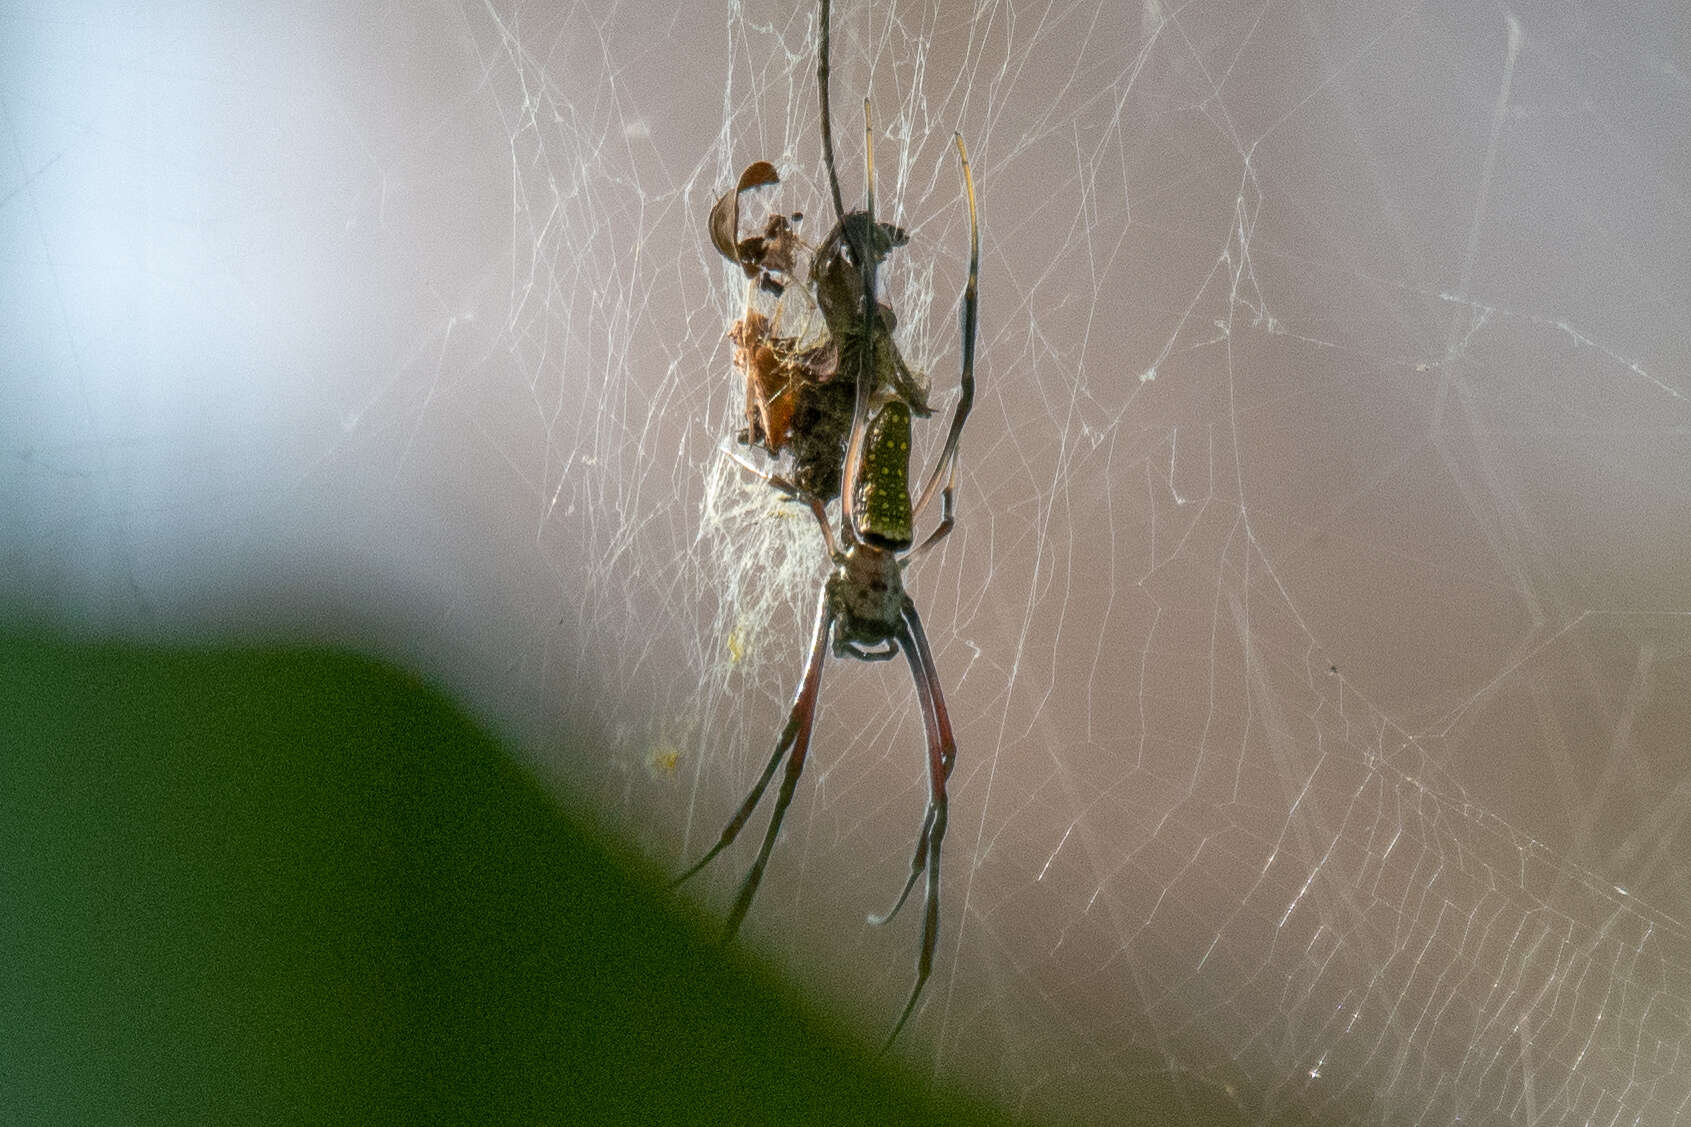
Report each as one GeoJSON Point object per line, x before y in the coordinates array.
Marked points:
{"type": "Point", "coordinates": [942, 753]}
{"type": "Point", "coordinates": [795, 738]}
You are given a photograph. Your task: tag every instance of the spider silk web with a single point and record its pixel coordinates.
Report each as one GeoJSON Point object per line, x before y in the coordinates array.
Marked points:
{"type": "Point", "coordinates": [1317, 626]}
{"type": "Point", "coordinates": [1261, 553]}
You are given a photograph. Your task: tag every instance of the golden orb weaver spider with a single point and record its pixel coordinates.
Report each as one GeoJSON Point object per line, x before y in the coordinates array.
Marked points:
{"type": "Point", "coordinates": [863, 606]}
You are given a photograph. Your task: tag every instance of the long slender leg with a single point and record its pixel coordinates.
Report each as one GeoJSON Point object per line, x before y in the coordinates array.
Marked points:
{"type": "Point", "coordinates": [795, 736]}
{"type": "Point", "coordinates": [942, 753]}
{"type": "Point", "coordinates": [788, 489]}
{"type": "Point", "coordinates": [800, 722]}
{"type": "Point", "coordinates": [917, 863]}
{"type": "Point", "coordinates": [827, 123]}
{"type": "Point", "coordinates": [931, 730]}
{"type": "Point", "coordinates": [947, 464]}
{"type": "Point", "coordinates": [863, 247]}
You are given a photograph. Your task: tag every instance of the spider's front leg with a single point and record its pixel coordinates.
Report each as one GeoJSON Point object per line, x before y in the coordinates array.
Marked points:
{"type": "Point", "coordinates": [795, 738]}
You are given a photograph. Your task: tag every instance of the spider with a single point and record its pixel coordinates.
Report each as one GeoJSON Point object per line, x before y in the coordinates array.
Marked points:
{"type": "Point", "coordinates": [864, 609]}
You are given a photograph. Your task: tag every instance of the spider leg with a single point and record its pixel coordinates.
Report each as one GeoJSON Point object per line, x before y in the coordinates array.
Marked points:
{"type": "Point", "coordinates": [863, 248]}
{"type": "Point", "coordinates": [917, 863]}
{"type": "Point", "coordinates": [738, 821]}
{"type": "Point", "coordinates": [795, 737]}
{"type": "Point", "coordinates": [800, 722]}
{"type": "Point", "coordinates": [942, 753]}
{"type": "Point", "coordinates": [788, 489]}
{"type": "Point", "coordinates": [930, 723]}
{"type": "Point", "coordinates": [827, 125]}
{"type": "Point", "coordinates": [947, 464]}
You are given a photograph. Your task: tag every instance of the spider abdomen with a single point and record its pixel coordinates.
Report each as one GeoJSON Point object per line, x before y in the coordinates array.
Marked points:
{"type": "Point", "coordinates": [882, 493]}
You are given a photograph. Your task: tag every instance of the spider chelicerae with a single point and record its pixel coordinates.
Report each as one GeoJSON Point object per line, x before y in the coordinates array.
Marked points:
{"type": "Point", "coordinates": [796, 395]}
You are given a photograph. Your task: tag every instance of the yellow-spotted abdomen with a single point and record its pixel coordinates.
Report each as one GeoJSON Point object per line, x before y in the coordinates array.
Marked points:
{"type": "Point", "coordinates": [882, 495]}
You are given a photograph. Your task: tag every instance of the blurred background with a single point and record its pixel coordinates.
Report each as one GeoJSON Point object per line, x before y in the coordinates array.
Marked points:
{"type": "Point", "coordinates": [1318, 623]}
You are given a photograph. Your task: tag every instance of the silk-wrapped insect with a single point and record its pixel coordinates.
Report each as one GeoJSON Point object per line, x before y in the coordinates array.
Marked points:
{"type": "Point", "coordinates": [793, 398]}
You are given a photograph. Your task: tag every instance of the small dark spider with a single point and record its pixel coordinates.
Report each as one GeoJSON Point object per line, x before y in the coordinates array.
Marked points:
{"type": "Point", "coordinates": [864, 607]}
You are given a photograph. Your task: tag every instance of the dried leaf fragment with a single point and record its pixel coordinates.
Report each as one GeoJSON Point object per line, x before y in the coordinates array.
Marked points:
{"type": "Point", "coordinates": [724, 221]}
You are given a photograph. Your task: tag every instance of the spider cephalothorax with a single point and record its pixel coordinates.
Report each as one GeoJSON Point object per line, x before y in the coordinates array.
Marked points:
{"type": "Point", "coordinates": [843, 409]}
{"type": "Point", "coordinates": [865, 596]}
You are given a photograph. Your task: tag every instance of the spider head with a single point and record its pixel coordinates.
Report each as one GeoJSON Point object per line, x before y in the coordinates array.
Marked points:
{"type": "Point", "coordinates": [866, 597]}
